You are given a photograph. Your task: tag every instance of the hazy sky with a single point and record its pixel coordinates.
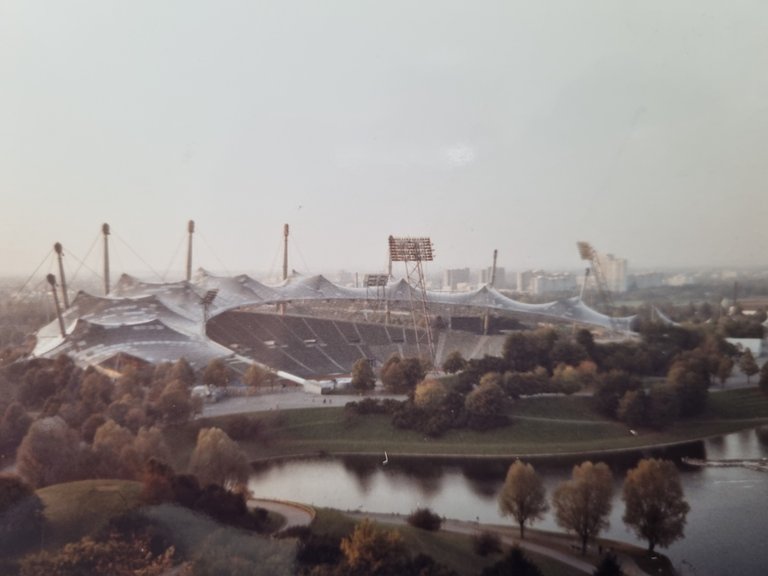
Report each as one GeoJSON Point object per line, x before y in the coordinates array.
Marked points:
{"type": "Point", "coordinates": [523, 126]}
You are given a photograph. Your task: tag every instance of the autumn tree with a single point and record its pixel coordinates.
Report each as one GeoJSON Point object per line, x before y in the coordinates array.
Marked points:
{"type": "Point", "coordinates": [748, 365]}
{"type": "Point", "coordinates": [117, 556]}
{"type": "Point", "coordinates": [724, 369]}
{"type": "Point", "coordinates": [454, 362]}
{"type": "Point", "coordinates": [175, 402]}
{"type": "Point", "coordinates": [182, 370]}
{"type": "Point", "coordinates": [523, 496]}
{"type": "Point", "coordinates": [401, 375]}
{"type": "Point", "coordinates": [217, 459]}
{"type": "Point", "coordinates": [21, 514]}
{"type": "Point", "coordinates": [583, 503]}
{"type": "Point", "coordinates": [49, 453]}
{"type": "Point", "coordinates": [217, 373]}
{"type": "Point", "coordinates": [655, 507]}
{"type": "Point", "coordinates": [363, 377]}
{"type": "Point", "coordinates": [369, 551]}
{"type": "Point", "coordinates": [13, 427]}
{"type": "Point", "coordinates": [486, 405]}
{"type": "Point", "coordinates": [429, 394]}
{"type": "Point", "coordinates": [257, 377]}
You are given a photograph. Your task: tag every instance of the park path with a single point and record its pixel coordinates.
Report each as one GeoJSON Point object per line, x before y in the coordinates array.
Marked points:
{"type": "Point", "coordinates": [509, 537]}
{"type": "Point", "coordinates": [295, 514]}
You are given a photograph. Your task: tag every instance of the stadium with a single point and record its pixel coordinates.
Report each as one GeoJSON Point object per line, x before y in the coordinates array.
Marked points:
{"type": "Point", "coordinates": [306, 328]}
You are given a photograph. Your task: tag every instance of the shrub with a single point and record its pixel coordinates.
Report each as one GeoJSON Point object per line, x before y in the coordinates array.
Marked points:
{"type": "Point", "coordinates": [425, 519]}
{"type": "Point", "coordinates": [486, 543]}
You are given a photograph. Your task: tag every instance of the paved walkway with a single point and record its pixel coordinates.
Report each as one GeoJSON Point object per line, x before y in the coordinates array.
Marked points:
{"type": "Point", "coordinates": [288, 400]}
{"type": "Point", "coordinates": [509, 537]}
{"type": "Point", "coordinates": [295, 514]}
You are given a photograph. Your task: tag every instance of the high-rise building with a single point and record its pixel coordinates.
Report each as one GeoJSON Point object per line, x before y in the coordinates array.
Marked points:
{"type": "Point", "coordinates": [453, 277]}
{"type": "Point", "coordinates": [614, 271]}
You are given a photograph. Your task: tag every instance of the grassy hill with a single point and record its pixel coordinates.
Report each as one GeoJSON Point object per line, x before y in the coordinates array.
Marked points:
{"type": "Point", "coordinates": [76, 509]}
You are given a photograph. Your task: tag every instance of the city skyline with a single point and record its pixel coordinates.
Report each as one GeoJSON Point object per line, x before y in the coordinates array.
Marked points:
{"type": "Point", "coordinates": [523, 128]}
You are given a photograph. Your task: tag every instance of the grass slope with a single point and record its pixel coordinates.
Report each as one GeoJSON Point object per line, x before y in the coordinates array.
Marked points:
{"type": "Point", "coordinates": [76, 509]}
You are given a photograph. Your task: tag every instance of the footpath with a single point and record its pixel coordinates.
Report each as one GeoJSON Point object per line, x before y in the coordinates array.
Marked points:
{"type": "Point", "coordinates": [509, 536]}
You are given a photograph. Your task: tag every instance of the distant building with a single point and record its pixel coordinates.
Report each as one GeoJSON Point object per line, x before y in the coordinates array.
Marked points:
{"type": "Point", "coordinates": [541, 282]}
{"type": "Point", "coordinates": [614, 271]}
{"type": "Point", "coordinates": [547, 283]}
{"type": "Point", "coordinates": [645, 280]}
{"type": "Point", "coordinates": [453, 277]}
{"type": "Point", "coordinates": [524, 280]}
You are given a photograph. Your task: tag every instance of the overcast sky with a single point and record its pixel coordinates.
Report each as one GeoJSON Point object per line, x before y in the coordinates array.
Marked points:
{"type": "Point", "coordinates": [641, 127]}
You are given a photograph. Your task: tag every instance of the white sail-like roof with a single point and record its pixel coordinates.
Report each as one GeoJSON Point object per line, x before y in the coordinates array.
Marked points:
{"type": "Point", "coordinates": [164, 321]}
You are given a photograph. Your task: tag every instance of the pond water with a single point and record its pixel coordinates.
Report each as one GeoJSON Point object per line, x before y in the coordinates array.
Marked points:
{"type": "Point", "coordinates": [726, 529]}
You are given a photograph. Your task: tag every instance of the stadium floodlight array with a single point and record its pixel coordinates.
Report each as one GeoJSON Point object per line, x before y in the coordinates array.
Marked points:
{"type": "Point", "coordinates": [408, 249]}
{"type": "Point", "coordinates": [375, 280]}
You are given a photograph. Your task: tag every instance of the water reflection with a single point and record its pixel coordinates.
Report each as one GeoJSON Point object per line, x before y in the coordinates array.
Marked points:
{"type": "Point", "coordinates": [724, 532]}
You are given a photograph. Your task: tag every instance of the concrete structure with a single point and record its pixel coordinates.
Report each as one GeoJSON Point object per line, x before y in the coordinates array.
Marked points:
{"type": "Point", "coordinates": [453, 277]}
{"type": "Point", "coordinates": [614, 271]}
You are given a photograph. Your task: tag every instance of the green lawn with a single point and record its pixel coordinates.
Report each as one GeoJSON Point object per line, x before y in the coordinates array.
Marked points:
{"type": "Point", "coordinates": [555, 425]}
{"type": "Point", "coordinates": [76, 509]}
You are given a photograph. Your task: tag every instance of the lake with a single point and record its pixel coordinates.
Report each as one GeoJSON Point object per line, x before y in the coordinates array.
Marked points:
{"type": "Point", "coordinates": [726, 529]}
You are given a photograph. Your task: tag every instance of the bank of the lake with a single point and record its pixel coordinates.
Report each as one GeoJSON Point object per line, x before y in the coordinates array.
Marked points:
{"type": "Point", "coordinates": [540, 426]}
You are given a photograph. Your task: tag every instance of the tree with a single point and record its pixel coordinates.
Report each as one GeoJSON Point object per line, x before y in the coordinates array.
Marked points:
{"type": "Point", "coordinates": [371, 551]}
{"type": "Point", "coordinates": [583, 503]}
{"type": "Point", "coordinates": [523, 496]}
{"type": "Point", "coordinates": [402, 374]}
{"type": "Point", "coordinates": [748, 365]}
{"type": "Point", "coordinates": [724, 369]}
{"type": "Point", "coordinates": [632, 408]}
{"type": "Point", "coordinates": [655, 507]}
{"type": "Point", "coordinates": [454, 362]}
{"type": "Point", "coordinates": [515, 562]}
{"type": "Point", "coordinates": [258, 377]}
{"type": "Point", "coordinates": [217, 459]}
{"type": "Point", "coordinates": [363, 377]}
{"type": "Point", "coordinates": [182, 370]}
{"type": "Point", "coordinates": [763, 382]}
{"type": "Point", "coordinates": [609, 566]}
{"type": "Point", "coordinates": [49, 453]}
{"type": "Point", "coordinates": [216, 373]}
{"type": "Point", "coordinates": [430, 394]}
{"type": "Point", "coordinates": [486, 406]}
{"type": "Point", "coordinates": [175, 402]}
{"type": "Point", "coordinates": [13, 427]}
{"type": "Point", "coordinates": [21, 514]}
{"type": "Point", "coordinates": [117, 556]}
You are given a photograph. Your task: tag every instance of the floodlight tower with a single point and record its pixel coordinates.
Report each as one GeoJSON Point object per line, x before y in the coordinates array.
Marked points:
{"type": "Point", "coordinates": [105, 232]}
{"type": "Point", "coordinates": [190, 231]}
{"type": "Point", "coordinates": [487, 316]}
{"type": "Point", "coordinates": [286, 232]}
{"type": "Point", "coordinates": [414, 252]}
{"type": "Point", "coordinates": [60, 255]}
{"type": "Point", "coordinates": [52, 281]}
{"type": "Point", "coordinates": [587, 252]}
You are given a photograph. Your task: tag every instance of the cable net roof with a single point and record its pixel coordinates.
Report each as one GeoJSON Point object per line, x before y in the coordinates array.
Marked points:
{"type": "Point", "coordinates": [164, 322]}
